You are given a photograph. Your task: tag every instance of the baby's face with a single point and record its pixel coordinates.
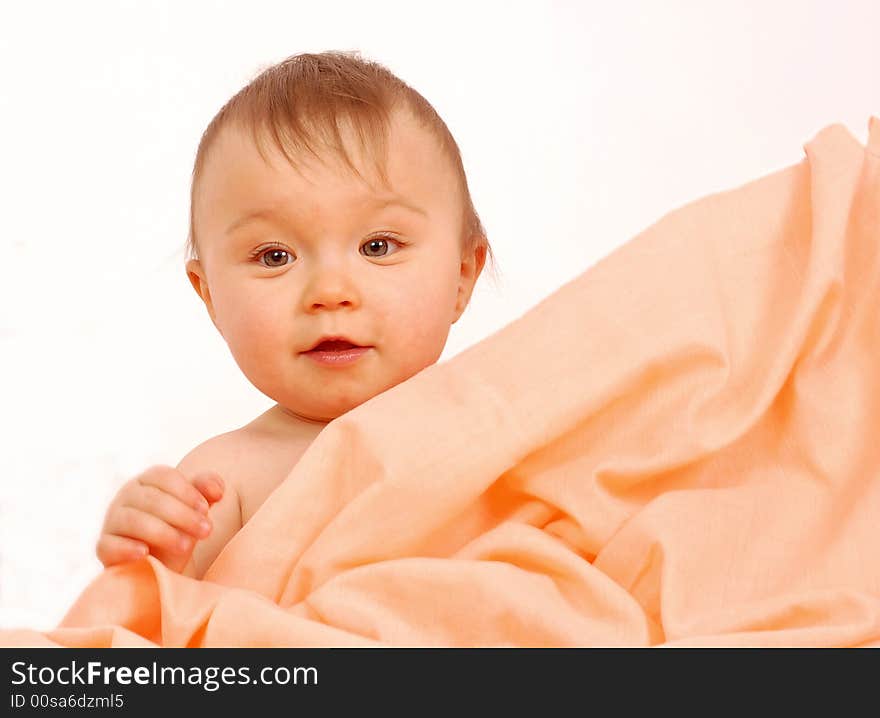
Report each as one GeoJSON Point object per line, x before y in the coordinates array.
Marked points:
{"type": "Point", "coordinates": [328, 258]}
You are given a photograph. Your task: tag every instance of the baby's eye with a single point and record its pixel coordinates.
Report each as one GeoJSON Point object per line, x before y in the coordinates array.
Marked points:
{"type": "Point", "coordinates": [378, 244]}
{"type": "Point", "coordinates": [274, 254]}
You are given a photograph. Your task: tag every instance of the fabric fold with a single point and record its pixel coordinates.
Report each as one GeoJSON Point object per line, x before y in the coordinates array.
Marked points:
{"type": "Point", "coordinates": [674, 448]}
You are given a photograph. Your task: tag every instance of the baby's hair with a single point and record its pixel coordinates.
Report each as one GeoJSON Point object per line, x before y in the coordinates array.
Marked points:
{"type": "Point", "coordinates": [300, 103]}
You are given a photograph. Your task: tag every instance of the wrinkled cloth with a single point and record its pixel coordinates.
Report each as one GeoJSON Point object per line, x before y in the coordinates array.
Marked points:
{"type": "Point", "coordinates": [675, 448]}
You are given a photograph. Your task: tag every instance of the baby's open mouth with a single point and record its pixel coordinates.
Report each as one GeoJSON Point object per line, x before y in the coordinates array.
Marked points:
{"type": "Point", "coordinates": [333, 346]}
{"type": "Point", "coordinates": [336, 352]}
{"type": "Point", "coordinates": [336, 344]}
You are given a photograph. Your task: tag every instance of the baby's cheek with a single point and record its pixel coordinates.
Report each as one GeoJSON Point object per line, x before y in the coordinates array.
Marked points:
{"type": "Point", "coordinates": [424, 329]}
{"type": "Point", "coordinates": [253, 332]}
{"type": "Point", "coordinates": [424, 311]}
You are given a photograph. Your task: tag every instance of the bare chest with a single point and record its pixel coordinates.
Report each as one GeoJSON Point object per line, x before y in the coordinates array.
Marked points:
{"type": "Point", "coordinates": [261, 468]}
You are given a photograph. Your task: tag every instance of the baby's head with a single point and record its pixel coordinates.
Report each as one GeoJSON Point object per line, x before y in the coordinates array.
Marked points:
{"type": "Point", "coordinates": [329, 200]}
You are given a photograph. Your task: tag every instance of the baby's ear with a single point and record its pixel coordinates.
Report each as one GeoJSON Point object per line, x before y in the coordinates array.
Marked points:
{"type": "Point", "coordinates": [195, 272]}
{"type": "Point", "coordinates": [471, 267]}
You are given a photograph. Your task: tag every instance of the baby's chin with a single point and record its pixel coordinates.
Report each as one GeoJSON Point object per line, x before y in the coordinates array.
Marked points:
{"type": "Point", "coordinates": [335, 400]}
{"type": "Point", "coordinates": [325, 409]}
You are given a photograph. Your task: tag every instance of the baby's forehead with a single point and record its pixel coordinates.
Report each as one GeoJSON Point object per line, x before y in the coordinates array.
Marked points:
{"type": "Point", "coordinates": [314, 161]}
{"type": "Point", "coordinates": [326, 141]}
{"type": "Point", "coordinates": [396, 160]}
{"type": "Point", "coordinates": [254, 166]}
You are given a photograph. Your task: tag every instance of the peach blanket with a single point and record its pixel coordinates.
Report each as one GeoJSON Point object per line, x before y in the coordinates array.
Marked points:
{"type": "Point", "coordinates": [675, 448]}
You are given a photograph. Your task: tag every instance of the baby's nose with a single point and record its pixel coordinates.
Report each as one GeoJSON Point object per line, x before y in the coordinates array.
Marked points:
{"type": "Point", "coordinates": [330, 304]}
{"type": "Point", "coordinates": [331, 289]}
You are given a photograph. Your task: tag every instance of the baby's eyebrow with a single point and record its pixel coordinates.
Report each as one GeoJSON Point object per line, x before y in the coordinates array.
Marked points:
{"type": "Point", "coordinates": [266, 214]}
{"type": "Point", "coordinates": [271, 214]}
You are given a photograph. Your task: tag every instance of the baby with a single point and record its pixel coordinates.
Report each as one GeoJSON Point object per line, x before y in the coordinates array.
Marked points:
{"type": "Point", "coordinates": [334, 243]}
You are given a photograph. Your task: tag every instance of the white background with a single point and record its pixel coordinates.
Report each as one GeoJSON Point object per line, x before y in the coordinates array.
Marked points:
{"type": "Point", "coordinates": [580, 124]}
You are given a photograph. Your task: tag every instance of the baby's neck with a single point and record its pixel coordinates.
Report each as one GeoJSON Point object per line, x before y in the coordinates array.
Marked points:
{"type": "Point", "coordinates": [284, 411]}
{"type": "Point", "coordinates": [285, 420]}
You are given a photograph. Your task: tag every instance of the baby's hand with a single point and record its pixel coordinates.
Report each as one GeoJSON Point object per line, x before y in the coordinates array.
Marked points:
{"type": "Point", "coordinates": [161, 512]}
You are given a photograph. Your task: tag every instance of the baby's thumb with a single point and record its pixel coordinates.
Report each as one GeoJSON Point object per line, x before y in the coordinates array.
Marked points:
{"type": "Point", "coordinates": [210, 485]}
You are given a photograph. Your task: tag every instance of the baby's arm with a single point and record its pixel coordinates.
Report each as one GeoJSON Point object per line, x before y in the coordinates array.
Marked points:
{"type": "Point", "coordinates": [160, 510]}
{"type": "Point", "coordinates": [224, 515]}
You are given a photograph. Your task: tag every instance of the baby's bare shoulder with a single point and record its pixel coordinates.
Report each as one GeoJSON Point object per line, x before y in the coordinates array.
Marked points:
{"type": "Point", "coordinates": [253, 460]}
{"type": "Point", "coordinates": [223, 449]}
{"type": "Point", "coordinates": [215, 448]}
{"type": "Point", "coordinates": [226, 514]}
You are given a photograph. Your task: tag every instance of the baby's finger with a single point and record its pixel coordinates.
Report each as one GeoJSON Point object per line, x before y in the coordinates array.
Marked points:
{"type": "Point", "coordinates": [112, 549]}
{"type": "Point", "coordinates": [171, 481]}
{"type": "Point", "coordinates": [170, 510]}
{"type": "Point", "coordinates": [210, 484]}
{"type": "Point", "coordinates": [136, 524]}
